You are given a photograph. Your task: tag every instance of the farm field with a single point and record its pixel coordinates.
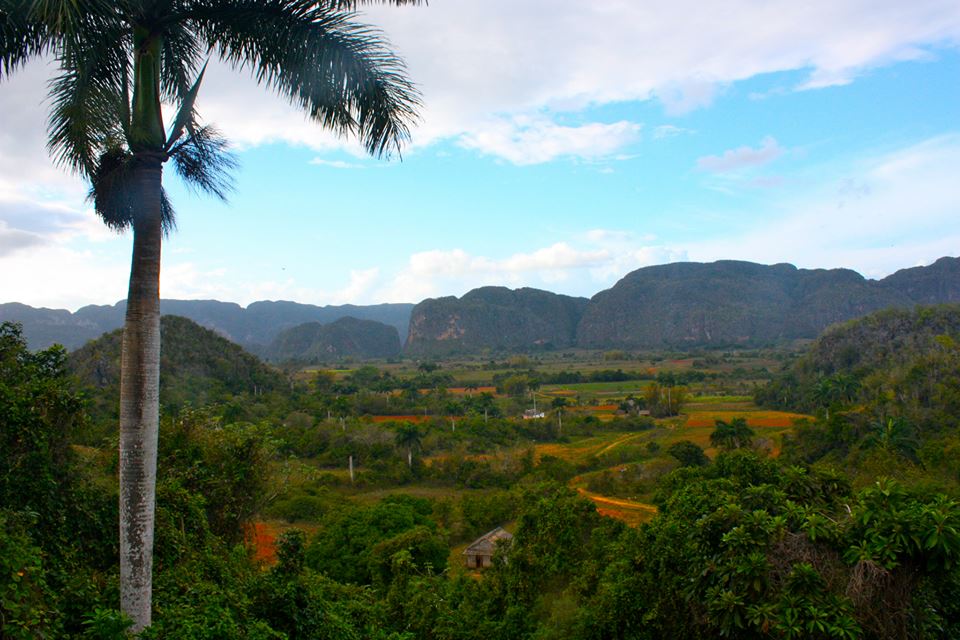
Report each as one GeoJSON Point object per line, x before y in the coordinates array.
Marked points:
{"type": "Point", "coordinates": [695, 424]}
{"type": "Point", "coordinates": [610, 457]}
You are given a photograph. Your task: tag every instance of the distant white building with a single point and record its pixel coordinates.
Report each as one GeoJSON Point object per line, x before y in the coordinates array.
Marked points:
{"type": "Point", "coordinates": [533, 414]}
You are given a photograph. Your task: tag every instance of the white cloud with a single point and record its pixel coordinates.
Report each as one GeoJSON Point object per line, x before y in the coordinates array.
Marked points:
{"type": "Point", "coordinates": [336, 164]}
{"type": "Point", "coordinates": [361, 282]}
{"type": "Point", "coordinates": [880, 215]}
{"type": "Point", "coordinates": [69, 278]}
{"type": "Point", "coordinates": [188, 280]}
{"type": "Point", "coordinates": [483, 64]}
{"type": "Point", "coordinates": [524, 141]}
{"type": "Point", "coordinates": [596, 259]}
{"type": "Point", "coordinates": [742, 157]}
{"type": "Point", "coordinates": [474, 58]}
{"type": "Point", "coordinates": [690, 95]}
{"type": "Point", "coordinates": [669, 131]}
{"type": "Point", "coordinates": [13, 240]}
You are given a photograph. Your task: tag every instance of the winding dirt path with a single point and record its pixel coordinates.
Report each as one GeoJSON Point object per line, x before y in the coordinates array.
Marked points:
{"type": "Point", "coordinates": [617, 502]}
{"type": "Point", "coordinates": [619, 441]}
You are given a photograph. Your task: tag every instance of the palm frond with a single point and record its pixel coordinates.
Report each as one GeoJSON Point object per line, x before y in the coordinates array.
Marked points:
{"type": "Point", "coordinates": [168, 217]}
{"type": "Point", "coordinates": [186, 116]}
{"type": "Point", "coordinates": [88, 95]}
{"type": "Point", "coordinates": [341, 73]}
{"type": "Point", "coordinates": [204, 162]}
{"type": "Point", "coordinates": [21, 37]}
{"type": "Point", "coordinates": [67, 17]}
{"type": "Point", "coordinates": [180, 58]}
{"type": "Point", "coordinates": [115, 194]}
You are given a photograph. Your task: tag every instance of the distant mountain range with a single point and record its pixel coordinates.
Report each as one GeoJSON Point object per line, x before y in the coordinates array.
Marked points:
{"type": "Point", "coordinates": [680, 305]}
{"type": "Point", "coordinates": [253, 327]}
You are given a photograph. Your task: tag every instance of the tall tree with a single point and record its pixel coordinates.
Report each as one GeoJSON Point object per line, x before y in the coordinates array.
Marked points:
{"type": "Point", "coordinates": [732, 435]}
{"type": "Point", "coordinates": [408, 435]}
{"type": "Point", "coordinates": [118, 61]}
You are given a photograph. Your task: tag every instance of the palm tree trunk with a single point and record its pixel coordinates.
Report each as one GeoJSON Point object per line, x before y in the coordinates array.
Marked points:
{"type": "Point", "coordinates": [140, 404]}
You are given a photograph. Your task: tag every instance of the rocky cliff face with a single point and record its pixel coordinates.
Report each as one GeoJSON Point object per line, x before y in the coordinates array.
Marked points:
{"type": "Point", "coordinates": [727, 303]}
{"type": "Point", "coordinates": [679, 305]}
{"type": "Point", "coordinates": [938, 283]}
{"type": "Point", "coordinates": [313, 342]}
{"type": "Point", "coordinates": [494, 318]}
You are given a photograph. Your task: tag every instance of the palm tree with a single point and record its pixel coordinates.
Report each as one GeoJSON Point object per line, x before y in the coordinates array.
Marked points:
{"type": "Point", "coordinates": [830, 391]}
{"type": "Point", "coordinates": [558, 404]}
{"type": "Point", "coordinates": [732, 435]}
{"type": "Point", "coordinates": [895, 435]}
{"type": "Point", "coordinates": [408, 435]}
{"type": "Point", "coordinates": [118, 61]}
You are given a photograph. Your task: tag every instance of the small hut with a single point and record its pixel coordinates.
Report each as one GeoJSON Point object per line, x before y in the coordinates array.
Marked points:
{"type": "Point", "coordinates": [479, 555]}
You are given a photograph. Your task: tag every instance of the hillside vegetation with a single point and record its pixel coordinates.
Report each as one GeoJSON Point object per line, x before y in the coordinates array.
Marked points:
{"type": "Point", "coordinates": [313, 342]}
{"type": "Point", "coordinates": [197, 367]}
{"type": "Point", "coordinates": [887, 388]}
{"type": "Point", "coordinates": [738, 543]}
{"type": "Point", "coordinates": [494, 318]}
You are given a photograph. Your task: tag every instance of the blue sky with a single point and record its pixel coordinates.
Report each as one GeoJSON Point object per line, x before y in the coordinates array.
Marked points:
{"type": "Point", "coordinates": [561, 146]}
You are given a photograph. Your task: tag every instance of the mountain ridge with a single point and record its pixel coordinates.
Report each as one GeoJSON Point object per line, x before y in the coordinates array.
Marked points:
{"type": "Point", "coordinates": [252, 327]}
{"type": "Point", "coordinates": [688, 304]}
{"type": "Point", "coordinates": [677, 305]}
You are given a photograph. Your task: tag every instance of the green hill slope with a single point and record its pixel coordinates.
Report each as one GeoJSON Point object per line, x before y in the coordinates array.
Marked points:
{"type": "Point", "coordinates": [197, 366]}
{"type": "Point", "coordinates": [886, 393]}
{"type": "Point", "coordinates": [727, 303]}
{"type": "Point", "coordinates": [314, 342]}
{"type": "Point", "coordinates": [494, 318]}
{"type": "Point", "coordinates": [885, 356]}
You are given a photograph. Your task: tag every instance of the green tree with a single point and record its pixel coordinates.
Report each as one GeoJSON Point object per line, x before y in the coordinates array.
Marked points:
{"type": "Point", "coordinates": [664, 399]}
{"type": "Point", "coordinates": [408, 436]}
{"type": "Point", "coordinates": [835, 390]}
{"type": "Point", "coordinates": [893, 435]}
{"type": "Point", "coordinates": [688, 454]}
{"type": "Point", "coordinates": [558, 404]}
{"type": "Point", "coordinates": [732, 435]}
{"type": "Point", "coordinates": [118, 61]}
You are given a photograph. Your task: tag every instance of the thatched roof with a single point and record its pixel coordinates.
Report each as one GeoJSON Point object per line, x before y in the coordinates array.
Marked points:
{"type": "Point", "coordinates": [487, 543]}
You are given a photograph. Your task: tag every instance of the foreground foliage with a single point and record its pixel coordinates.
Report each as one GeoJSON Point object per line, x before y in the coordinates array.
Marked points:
{"type": "Point", "coordinates": [743, 546]}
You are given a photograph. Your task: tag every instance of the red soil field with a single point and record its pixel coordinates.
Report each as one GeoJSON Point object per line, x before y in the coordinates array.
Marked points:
{"type": "Point", "coordinates": [263, 538]}
{"type": "Point", "coordinates": [462, 391]}
{"type": "Point", "coordinates": [760, 419]}
{"type": "Point", "coordinates": [401, 418]}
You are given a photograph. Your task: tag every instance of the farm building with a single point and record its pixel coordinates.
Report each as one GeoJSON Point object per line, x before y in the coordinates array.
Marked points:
{"type": "Point", "coordinates": [533, 414]}
{"type": "Point", "coordinates": [479, 555]}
